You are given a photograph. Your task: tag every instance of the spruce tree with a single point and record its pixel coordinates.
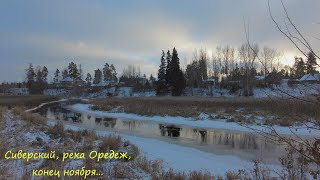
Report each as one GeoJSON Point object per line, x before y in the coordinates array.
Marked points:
{"type": "Point", "coordinates": [88, 79]}
{"type": "Point", "coordinates": [56, 76]}
{"type": "Point", "coordinates": [44, 74]}
{"type": "Point", "coordinates": [65, 74]}
{"type": "Point", "coordinates": [168, 71]}
{"type": "Point", "coordinates": [30, 73]}
{"type": "Point", "coordinates": [113, 73]}
{"type": "Point", "coordinates": [106, 72]}
{"type": "Point", "coordinates": [97, 76]}
{"type": "Point", "coordinates": [311, 63]}
{"type": "Point", "coordinates": [161, 85]}
{"type": "Point", "coordinates": [176, 79]}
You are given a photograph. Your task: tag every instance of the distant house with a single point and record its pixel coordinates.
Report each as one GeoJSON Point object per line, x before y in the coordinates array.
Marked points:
{"type": "Point", "coordinates": [103, 84]}
{"type": "Point", "coordinates": [261, 77]}
{"type": "Point", "coordinates": [310, 78]}
{"type": "Point", "coordinates": [79, 82]}
{"type": "Point", "coordinates": [142, 80]}
{"type": "Point", "coordinates": [68, 81]}
{"type": "Point", "coordinates": [210, 82]}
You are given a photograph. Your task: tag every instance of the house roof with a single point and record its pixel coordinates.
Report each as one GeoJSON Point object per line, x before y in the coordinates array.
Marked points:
{"type": "Point", "coordinates": [67, 79]}
{"type": "Point", "coordinates": [317, 76]}
{"type": "Point", "coordinates": [309, 77]}
{"type": "Point", "coordinates": [209, 80]}
{"type": "Point", "coordinates": [261, 77]}
{"type": "Point", "coordinates": [102, 83]}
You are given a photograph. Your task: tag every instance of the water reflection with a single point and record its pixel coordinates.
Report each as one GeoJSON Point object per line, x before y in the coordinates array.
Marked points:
{"type": "Point", "coordinates": [210, 138]}
{"type": "Point", "coordinates": [172, 130]}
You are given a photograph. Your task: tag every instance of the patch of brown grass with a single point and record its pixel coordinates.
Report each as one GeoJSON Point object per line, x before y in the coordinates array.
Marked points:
{"type": "Point", "coordinates": [57, 131]}
{"type": "Point", "coordinates": [28, 101]}
{"type": "Point", "coordinates": [30, 118]}
{"type": "Point", "coordinates": [192, 107]}
{"type": "Point", "coordinates": [148, 166]}
{"type": "Point", "coordinates": [111, 142]}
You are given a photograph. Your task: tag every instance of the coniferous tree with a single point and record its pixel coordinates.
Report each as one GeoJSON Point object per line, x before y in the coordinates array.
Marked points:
{"type": "Point", "coordinates": [176, 79]}
{"type": "Point", "coordinates": [152, 79]}
{"type": "Point", "coordinates": [65, 74]}
{"type": "Point", "coordinates": [56, 76]}
{"type": "Point", "coordinates": [106, 72]}
{"type": "Point", "coordinates": [44, 74]}
{"type": "Point", "coordinates": [299, 67]}
{"type": "Point", "coordinates": [73, 71]}
{"type": "Point", "coordinates": [88, 79]}
{"type": "Point", "coordinates": [38, 74]}
{"type": "Point", "coordinates": [30, 74]}
{"type": "Point", "coordinates": [161, 85]}
{"type": "Point", "coordinates": [168, 70]}
{"type": "Point", "coordinates": [113, 73]}
{"type": "Point", "coordinates": [311, 63]}
{"type": "Point", "coordinates": [97, 76]}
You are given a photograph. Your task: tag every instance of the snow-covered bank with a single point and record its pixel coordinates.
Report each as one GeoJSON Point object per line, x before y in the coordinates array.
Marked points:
{"type": "Point", "coordinates": [204, 123]}
{"type": "Point", "coordinates": [177, 157]}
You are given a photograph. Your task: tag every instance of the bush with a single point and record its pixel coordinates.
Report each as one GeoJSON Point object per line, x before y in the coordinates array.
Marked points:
{"type": "Point", "coordinates": [30, 118]}
{"type": "Point", "coordinates": [57, 130]}
{"type": "Point", "coordinates": [110, 142]}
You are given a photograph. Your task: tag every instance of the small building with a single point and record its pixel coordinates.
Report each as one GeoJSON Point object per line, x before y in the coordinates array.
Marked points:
{"type": "Point", "coordinates": [211, 82]}
{"type": "Point", "coordinates": [104, 83]}
{"type": "Point", "coordinates": [142, 80]}
{"type": "Point", "coordinates": [68, 81]}
{"type": "Point", "coordinates": [310, 78]}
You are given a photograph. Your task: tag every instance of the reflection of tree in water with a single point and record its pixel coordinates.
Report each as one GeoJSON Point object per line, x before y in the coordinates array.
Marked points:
{"type": "Point", "coordinates": [162, 130]}
{"type": "Point", "coordinates": [203, 134]}
{"type": "Point", "coordinates": [109, 122]}
{"type": "Point", "coordinates": [75, 117]}
{"type": "Point", "coordinates": [98, 120]}
{"type": "Point", "coordinates": [131, 124]}
{"type": "Point", "coordinates": [248, 142]}
{"type": "Point", "coordinates": [172, 131]}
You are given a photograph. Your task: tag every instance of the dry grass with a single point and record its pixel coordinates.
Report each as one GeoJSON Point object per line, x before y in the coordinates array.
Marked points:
{"type": "Point", "coordinates": [111, 142]}
{"type": "Point", "coordinates": [57, 131]}
{"type": "Point", "coordinates": [28, 101]}
{"type": "Point", "coordinates": [34, 119]}
{"type": "Point", "coordinates": [291, 110]}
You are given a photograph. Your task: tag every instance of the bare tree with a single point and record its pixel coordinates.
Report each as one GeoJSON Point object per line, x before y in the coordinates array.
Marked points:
{"type": "Point", "coordinates": [228, 59]}
{"type": "Point", "coordinates": [248, 55]}
{"type": "Point", "coordinates": [267, 59]}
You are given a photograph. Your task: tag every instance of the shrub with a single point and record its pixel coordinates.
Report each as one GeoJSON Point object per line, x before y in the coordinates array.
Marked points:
{"type": "Point", "coordinates": [57, 130]}
{"type": "Point", "coordinates": [111, 142]}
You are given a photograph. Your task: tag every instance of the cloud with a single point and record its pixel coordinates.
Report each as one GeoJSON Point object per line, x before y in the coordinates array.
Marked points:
{"type": "Point", "coordinates": [134, 32]}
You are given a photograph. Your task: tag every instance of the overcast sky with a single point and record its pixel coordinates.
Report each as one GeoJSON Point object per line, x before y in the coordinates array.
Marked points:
{"type": "Point", "coordinates": [51, 33]}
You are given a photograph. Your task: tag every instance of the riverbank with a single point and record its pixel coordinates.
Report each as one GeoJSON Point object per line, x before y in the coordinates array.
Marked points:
{"type": "Point", "coordinates": [264, 111]}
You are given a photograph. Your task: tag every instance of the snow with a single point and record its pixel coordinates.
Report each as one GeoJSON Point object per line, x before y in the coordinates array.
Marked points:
{"type": "Point", "coordinates": [67, 79]}
{"type": "Point", "coordinates": [309, 77]}
{"type": "Point", "coordinates": [43, 104]}
{"type": "Point", "coordinates": [180, 158]}
{"type": "Point", "coordinates": [205, 123]}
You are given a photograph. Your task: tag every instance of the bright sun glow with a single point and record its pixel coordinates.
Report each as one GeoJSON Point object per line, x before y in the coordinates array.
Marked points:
{"type": "Point", "coordinates": [287, 58]}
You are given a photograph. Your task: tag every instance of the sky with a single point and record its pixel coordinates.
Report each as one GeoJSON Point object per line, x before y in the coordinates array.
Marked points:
{"type": "Point", "coordinates": [92, 33]}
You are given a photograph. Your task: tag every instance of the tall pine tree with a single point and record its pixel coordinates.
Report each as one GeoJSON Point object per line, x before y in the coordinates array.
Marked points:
{"type": "Point", "coordinates": [168, 70]}
{"type": "Point", "coordinates": [56, 76]}
{"type": "Point", "coordinates": [97, 76]}
{"type": "Point", "coordinates": [176, 78]}
{"type": "Point", "coordinates": [73, 71]}
{"type": "Point", "coordinates": [161, 85]}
